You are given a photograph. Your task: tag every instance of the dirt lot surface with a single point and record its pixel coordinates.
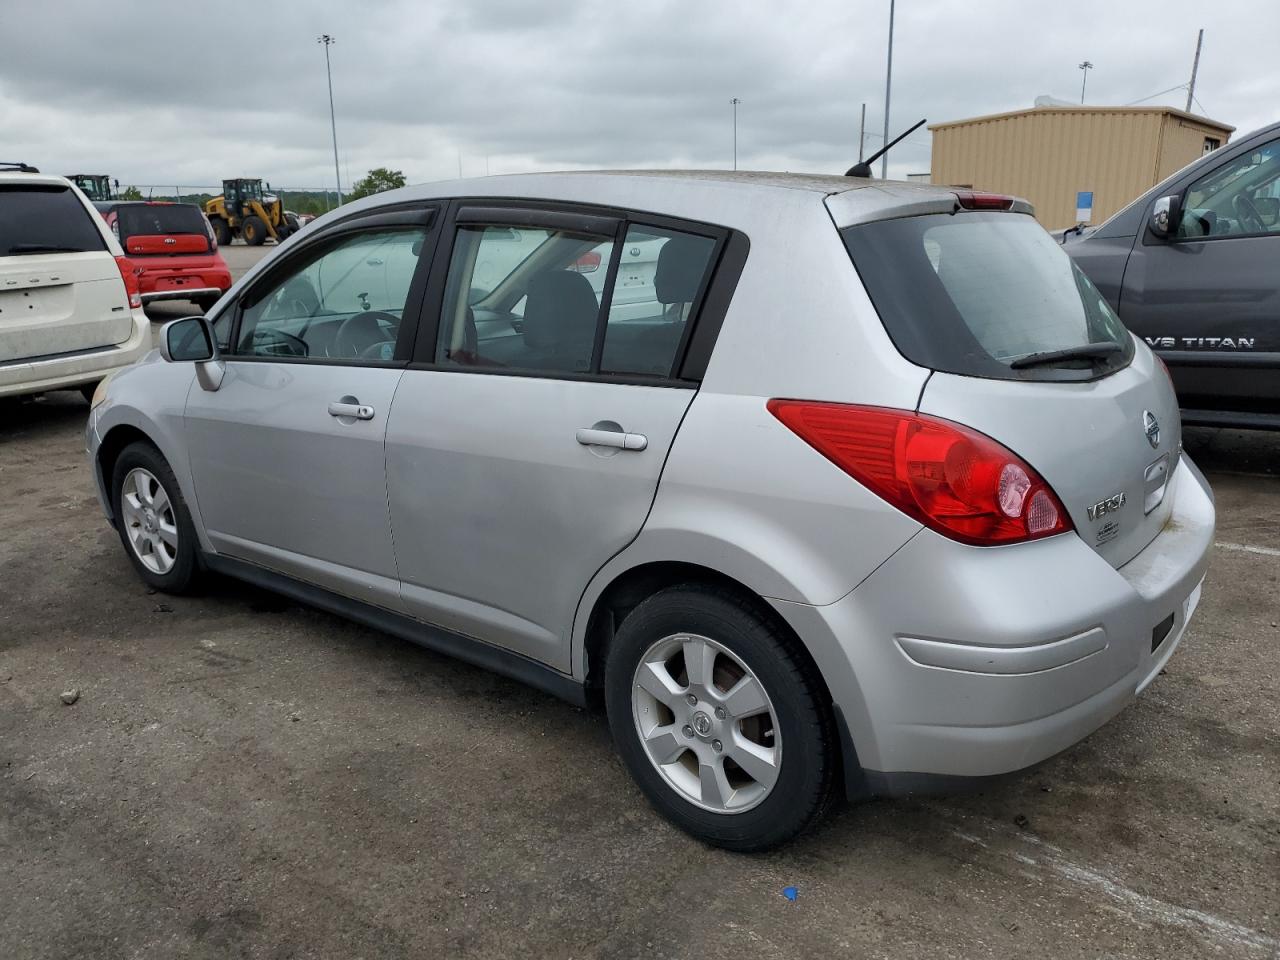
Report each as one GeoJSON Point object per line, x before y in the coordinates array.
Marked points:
{"type": "Point", "coordinates": [244, 777]}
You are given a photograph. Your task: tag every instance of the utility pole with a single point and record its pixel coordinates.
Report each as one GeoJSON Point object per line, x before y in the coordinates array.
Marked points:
{"type": "Point", "coordinates": [1084, 69]}
{"type": "Point", "coordinates": [1195, 67]}
{"type": "Point", "coordinates": [328, 41]}
{"type": "Point", "coordinates": [888, 80]}
{"type": "Point", "coordinates": [862, 132]}
{"type": "Point", "coordinates": [734, 103]}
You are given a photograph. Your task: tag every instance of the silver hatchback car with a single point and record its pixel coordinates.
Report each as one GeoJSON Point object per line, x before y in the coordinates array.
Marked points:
{"type": "Point", "coordinates": [875, 495]}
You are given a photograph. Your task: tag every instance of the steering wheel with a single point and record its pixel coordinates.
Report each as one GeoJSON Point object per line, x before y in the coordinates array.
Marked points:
{"type": "Point", "coordinates": [358, 333]}
{"type": "Point", "coordinates": [277, 343]}
{"type": "Point", "coordinates": [1248, 213]}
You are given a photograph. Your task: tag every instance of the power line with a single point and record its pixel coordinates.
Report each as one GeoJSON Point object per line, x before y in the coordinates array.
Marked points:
{"type": "Point", "coordinates": [1181, 86]}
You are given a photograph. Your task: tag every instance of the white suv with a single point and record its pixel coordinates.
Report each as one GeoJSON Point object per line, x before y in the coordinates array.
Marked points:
{"type": "Point", "coordinates": [70, 306]}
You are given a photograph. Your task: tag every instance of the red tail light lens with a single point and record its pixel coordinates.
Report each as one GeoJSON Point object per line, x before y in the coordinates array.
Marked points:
{"type": "Point", "coordinates": [587, 263]}
{"type": "Point", "coordinates": [984, 201]}
{"type": "Point", "coordinates": [131, 285]}
{"type": "Point", "coordinates": [954, 480]}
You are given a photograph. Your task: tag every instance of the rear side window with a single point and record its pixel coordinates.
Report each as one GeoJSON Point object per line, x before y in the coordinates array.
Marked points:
{"type": "Point", "coordinates": [149, 220]}
{"type": "Point", "coordinates": [986, 295]}
{"type": "Point", "coordinates": [531, 300]}
{"type": "Point", "coordinates": [36, 219]}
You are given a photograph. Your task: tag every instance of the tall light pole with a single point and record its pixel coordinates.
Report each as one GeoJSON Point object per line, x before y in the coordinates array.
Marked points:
{"type": "Point", "coordinates": [734, 103]}
{"type": "Point", "coordinates": [328, 41]}
{"type": "Point", "coordinates": [888, 81]}
{"type": "Point", "coordinates": [1084, 68]}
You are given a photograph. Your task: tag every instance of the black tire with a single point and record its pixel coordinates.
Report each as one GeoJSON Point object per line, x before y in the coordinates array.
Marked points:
{"type": "Point", "coordinates": [254, 231]}
{"type": "Point", "coordinates": [221, 231]}
{"type": "Point", "coordinates": [203, 304]}
{"type": "Point", "coordinates": [182, 576]}
{"type": "Point", "coordinates": [805, 781]}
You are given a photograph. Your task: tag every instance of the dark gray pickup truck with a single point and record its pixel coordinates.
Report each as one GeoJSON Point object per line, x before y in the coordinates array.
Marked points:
{"type": "Point", "coordinates": [1193, 267]}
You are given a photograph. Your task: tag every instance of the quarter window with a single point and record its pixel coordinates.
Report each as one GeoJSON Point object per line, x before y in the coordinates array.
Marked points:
{"type": "Point", "coordinates": [531, 300]}
{"type": "Point", "coordinates": [345, 303]}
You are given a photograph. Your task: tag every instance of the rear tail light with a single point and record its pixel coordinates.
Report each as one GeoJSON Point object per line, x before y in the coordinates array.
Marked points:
{"type": "Point", "coordinates": [984, 201]}
{"type": "Point", "coordinates": [587, 263]}
{"type": "Point", "coordinates": [954, 480]}
{"type": "Point", "coordinates": [131, 285]}
{"type": "Point", "coordinates": [213, 237]}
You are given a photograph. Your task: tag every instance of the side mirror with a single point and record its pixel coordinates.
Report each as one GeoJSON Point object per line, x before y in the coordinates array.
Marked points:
{"type": "Point", "coordinates": [1165, 215]}
{"type": "Point", "coordinates": [191, 340]}
{"type": "Point", "coordinates": [188, 339]}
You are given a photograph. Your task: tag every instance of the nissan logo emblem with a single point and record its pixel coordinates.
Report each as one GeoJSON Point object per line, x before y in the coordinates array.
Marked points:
{"type": "Point", "coordinates": [1151, 426]}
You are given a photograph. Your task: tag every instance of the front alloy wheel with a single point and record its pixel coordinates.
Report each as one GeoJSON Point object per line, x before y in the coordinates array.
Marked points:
{"type": "Point", "coordinates": [149, 521]}
{"type": "Point", "coordinates": [152, 519]}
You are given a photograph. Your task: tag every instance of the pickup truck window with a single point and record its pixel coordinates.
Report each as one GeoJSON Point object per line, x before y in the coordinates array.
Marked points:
{"type": "Point", "coordinates": [1239, 198]}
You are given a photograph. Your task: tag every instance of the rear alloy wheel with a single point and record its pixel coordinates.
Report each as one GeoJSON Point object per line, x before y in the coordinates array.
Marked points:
{"type": "Point", "coordinates": [254, 231]}
{"type": "Point", "coordinates": [152, 519]}
{"type": "Point", "coordinates": [703, 692]}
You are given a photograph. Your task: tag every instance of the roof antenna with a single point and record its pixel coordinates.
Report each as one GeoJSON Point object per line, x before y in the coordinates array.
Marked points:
{"type": "Point", "coordinates": [863, 167]}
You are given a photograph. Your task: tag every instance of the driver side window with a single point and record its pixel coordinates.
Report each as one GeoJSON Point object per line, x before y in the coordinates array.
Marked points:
{"type": "Point", "coordinates": [346, 302]}
{"type": "Point", "coordinates": [1238, 198]}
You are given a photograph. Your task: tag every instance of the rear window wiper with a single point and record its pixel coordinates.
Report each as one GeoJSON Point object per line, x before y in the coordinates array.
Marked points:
{"type": "Point", "coordinates": [1086, 351]}
{"type": "Point", "coordinates": [43, 248]}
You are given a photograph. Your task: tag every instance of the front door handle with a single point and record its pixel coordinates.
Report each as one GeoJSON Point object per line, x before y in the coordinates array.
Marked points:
{"type": "Point", "coordinates": [349, 407]}
{"type": "Point", "coordinates": [592, 437]}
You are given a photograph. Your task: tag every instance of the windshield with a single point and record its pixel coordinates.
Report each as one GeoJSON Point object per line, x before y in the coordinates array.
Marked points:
{"type": "Point", "coordinates": [975, 293]}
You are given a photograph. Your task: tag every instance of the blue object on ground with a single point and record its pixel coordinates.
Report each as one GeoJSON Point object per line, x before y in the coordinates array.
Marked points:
{"type": "Point", "coordinates": [790, 893]}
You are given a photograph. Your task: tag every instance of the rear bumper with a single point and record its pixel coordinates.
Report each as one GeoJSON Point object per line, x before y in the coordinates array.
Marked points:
{"type": "Point", "coordinates": [964, 662]}
{"type": "Point", "coordinates": [182, 293]}
{"type": "Point", "coordinates": [181, 277]}
{"type": "Point", "coordinates": [73, 370]}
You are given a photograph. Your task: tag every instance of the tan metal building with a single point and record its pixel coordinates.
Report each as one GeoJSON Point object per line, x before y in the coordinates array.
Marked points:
{"type": "Point", "coordinates": [1049, 155]}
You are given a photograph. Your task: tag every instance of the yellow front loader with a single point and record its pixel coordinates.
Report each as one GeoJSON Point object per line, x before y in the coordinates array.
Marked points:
{"type": "Point", "coordinates": [245, 211]}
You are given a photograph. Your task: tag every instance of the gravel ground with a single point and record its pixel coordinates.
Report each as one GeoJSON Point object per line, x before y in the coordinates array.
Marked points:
{"type": "Point", "coordinates": [244, 777]}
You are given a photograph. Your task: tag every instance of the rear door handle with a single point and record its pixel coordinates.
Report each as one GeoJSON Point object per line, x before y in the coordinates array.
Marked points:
{"type": "Point", "coordinates": [591, 437]}
{"type": "Point", "coordinates": [357, 411]}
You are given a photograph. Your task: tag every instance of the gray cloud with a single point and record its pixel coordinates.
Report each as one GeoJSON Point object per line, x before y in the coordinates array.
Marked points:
{"type": "Point", "coordinates": [150, 93]}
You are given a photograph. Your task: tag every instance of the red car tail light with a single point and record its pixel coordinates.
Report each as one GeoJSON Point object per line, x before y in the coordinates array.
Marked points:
{"type": "Point", "coordinates": [131, 285]}
{"type": "Point", "coordinates": [952, 479]}
{"type": "Point", "coordinates": [984, 201]}
{"type": "Point", "coordinates": [589, 262]}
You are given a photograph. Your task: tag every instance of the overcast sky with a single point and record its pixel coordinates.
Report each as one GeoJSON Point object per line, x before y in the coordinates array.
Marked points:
{"type": "Point", "coordinates": [189, 93]}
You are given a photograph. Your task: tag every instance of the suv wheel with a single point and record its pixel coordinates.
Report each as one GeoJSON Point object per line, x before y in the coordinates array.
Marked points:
{"type": "Point", "coordinates": [152, 519]}
{"type": "Point", "coordinates": [718, 719]}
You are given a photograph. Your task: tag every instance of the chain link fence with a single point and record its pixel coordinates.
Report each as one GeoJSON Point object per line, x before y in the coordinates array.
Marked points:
{"type": "Point", "coordinates": [305, 200]}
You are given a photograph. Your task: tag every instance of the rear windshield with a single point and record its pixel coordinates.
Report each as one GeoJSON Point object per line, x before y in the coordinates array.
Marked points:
{"type": "Point", "coordinates": [37, 219]}
{"type": "Point", "coordinates": [986, 295]}
{"type": "Point", "coordinates": [157, 219]}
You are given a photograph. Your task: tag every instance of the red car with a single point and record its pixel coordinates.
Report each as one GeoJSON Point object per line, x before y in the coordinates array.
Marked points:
{"type": "Point", "coordinates": [172, 250]}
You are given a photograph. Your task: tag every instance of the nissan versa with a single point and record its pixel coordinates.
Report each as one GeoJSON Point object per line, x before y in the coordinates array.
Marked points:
{"type": "Point", "coordinates": [876, 496]}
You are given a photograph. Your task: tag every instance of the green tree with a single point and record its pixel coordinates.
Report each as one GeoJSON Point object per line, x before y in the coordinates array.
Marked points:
{"type": "Point", "coordinates": [130, 193]}
{"type": "Point", "coordinates": [379, 179]}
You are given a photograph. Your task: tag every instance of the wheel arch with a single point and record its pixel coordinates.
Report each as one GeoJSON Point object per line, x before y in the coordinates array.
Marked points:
{"type": "Point", "coordinates": [114, 442]}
